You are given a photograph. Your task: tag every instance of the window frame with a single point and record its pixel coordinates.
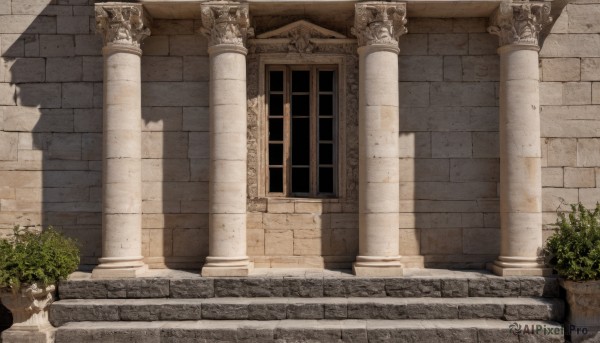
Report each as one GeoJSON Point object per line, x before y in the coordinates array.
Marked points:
{"type": "Point", "coordinates": [335, 61]}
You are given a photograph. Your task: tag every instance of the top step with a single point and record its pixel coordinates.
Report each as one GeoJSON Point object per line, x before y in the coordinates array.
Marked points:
{"type": "Point", "coordinates": [310, 285]}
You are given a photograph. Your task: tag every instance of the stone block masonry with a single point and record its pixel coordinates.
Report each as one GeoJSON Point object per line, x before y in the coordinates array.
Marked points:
{"type": "Point", "coordinates": [51, 138]}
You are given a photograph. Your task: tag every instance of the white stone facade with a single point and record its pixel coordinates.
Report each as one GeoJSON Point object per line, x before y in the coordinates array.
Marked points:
{"type": "Point", "coordinates": [437, 163]}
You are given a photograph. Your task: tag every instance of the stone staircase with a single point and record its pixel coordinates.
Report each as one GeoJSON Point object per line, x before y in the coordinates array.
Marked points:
{"type": "Point", "coordinates": [309, 306]}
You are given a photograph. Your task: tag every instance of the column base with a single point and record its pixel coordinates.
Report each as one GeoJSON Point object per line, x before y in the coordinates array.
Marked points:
{"type": "Point", "coordinates": [377, 271]}
{"type": "Point", "coordinates": [105, 272]}
{"type": "Point", "coordinates": [514, 271]}
{"type": "Point", "coordinates": [25, 336]}
{"type": "Point", "coordinates": [211, 271]}
{"type": "Point", "coordinates": [377, 266]}
{"type": "Point", "coordinates": [414, 261]}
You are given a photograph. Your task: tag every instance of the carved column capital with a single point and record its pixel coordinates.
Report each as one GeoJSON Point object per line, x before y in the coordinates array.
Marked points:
{"type": "Point", "coordinates": [226, 23]}
{"type": "Point", "coordinates": [122, 24]}
{"type": "Point", "coordinates": [379, 23]}
{"type": "Point", "coordinates": [519, 23]}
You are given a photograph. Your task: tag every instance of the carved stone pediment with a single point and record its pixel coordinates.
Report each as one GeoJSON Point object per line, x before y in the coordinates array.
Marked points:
{"type": "Point", "coordinates": [300, 36]}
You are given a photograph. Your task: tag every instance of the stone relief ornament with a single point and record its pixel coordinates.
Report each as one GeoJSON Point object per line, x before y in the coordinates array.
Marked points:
{"type": "Point", "coordinates": [301, 36]}
{"type": "Point", "coordinates": [226, 23]}
{"type": "Point", "coordinates": [379, 23]}
{"type": "Point", "coordinates": [519, 22]}
{"type": "Point", "coordinates": [122, 24]}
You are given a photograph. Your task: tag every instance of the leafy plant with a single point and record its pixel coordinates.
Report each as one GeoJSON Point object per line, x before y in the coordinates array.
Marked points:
{"type": "Point", "coordinates": [574, 250]}
{"type": "Point", "coordinates": [29, 256]}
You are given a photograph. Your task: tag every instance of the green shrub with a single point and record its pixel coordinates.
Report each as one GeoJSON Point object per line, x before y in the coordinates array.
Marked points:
{"type": "Point", "coordinates": [574, 250]}
{"type": "Point", "coordinates": [28, 257]}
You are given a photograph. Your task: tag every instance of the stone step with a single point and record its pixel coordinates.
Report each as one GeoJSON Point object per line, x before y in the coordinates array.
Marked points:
{"type": "Point", "coordinates": [351, 330]}
{"type": "Point", "coordinates": [509, 309]}
{"type": "Point", "coordinates": [471, 285]}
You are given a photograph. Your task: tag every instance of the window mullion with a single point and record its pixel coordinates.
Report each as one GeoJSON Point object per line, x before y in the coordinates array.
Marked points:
{"type": "Point", "coordinates": [313, 131]}
{"type": "Point", "coordinates": [286, 137]}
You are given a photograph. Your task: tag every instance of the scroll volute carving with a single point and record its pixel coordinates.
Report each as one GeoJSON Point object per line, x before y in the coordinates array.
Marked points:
{"type": "Point", "coordinates": [379, 23]}
{"type": "Point", "coordinates": [226, 23]}
{"type": "Point", "coordinates": [520, 23]}
{"type": "Point", "coordinates": [126, 24]}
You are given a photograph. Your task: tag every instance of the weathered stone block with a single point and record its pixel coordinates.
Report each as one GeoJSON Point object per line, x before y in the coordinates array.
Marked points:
{"type": "Point", "coordinates": [420, 68]}
{"type": "Point", "coordinates": [590, 69]}
{"type": "Point", "coordinates": [297, 310]}
{"type": "Point", "coordinates": [44, 95]}
{"type": "Point", "coordinates": [562, 152]}
{"type": "Point", "coordinates": [93, 69]}
{"type": "Point", "coordinates": [303, 287]}
{"type": "Point", "coordinates": [413, 94]}
{"type": "Point", "coordinates": [449, 44]}
{"type": "Point", "coordinates": [72, 24]}
{"type": "Point", "coordinates": [580, 18]}
{"type": "Point", "coordinates": [64, 69]}
{"type": "Point", "coordinates": [270, 311]}
{"type": "Point", "coordinates": [481, 68]}
{"type": "Point", "coordinates": [428, 310]}
{"type": "Point", "coordinates": [453, 69]}
{"type": "Point", "coordinates": [222, 311]}
{"type": "Point", "coordinates": [365, 310]}
{"type": "Point", "coordinates": [28, 23]}
{"type": "Point", "coordinates": [476, 311]}
{"type": "Point", "coordinates": [551, 93]}
{"type": "Point", "coordinates": [188, 45]}
{"type": "Point", "coordinates": [279, 242]}
{"type": "Point", "coordinates": [77, 95]}
{"type": "Point", "coordinates": [552, 177]}
{"type": "Point", "coordinates": [494, 287]}
{"type": "Point", "coordinates": [481, 241]}
{"type": "Point", "coordinates": [156, 45]}
{"type": "Point", "coordinates": [588, 154]}
{"type": "Point", "coordinates": [406, 288]}
{"type": "Point", "coordinates": [596, 93]}
{"type": "Point", "coordinates": [88, 45]}
{"type": "Point", "coordinates": [464, 170]}
{"type": "Point", "coordinates": [486, 145]}
{"type": "Point", "coordinates": [482, 44]}
{"type": "Point", "coordinates": [561, 69]}
{"type": "Point", "coordinates": [156, 68]}
{"type": "Point", "coordinates": [581, 45]}
{"type": "Point", "coordinates": [192, 288]}
{"type": "Point", "coordinates": [175, 93]}
{"type": "Point", "coordinates": [413, 44]}
{"type": "Point", "coordinates": [82, 289]}
{"type": "Point", "coordinates": [553, 198]}
{"type": "Point", "coordinates": [463, 94]}
{"type": "Point", "coordinates": [195, 68]}
{"type": "Point", "coordinates": [451, 144]}
{"type": "Point", "coordinates": [580, 177]}
{"type": "Point", "coordinates": [577, 93]}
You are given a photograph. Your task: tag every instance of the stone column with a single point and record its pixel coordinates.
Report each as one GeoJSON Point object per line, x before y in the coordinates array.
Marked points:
{"type": "Point", "coordinates": [123, 26]}
{"type": "Point", "coordinates": [518, 25]}
{"type": "Point", "coordinates": [227, 24]}
{"type": "Point", "coordinates": [378, 25]}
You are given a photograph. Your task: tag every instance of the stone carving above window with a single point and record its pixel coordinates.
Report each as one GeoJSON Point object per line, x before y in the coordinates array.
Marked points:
{"type": "Point", "coordinates": [302, 35]}
{"type": "Point", "coordinates": [379, 23]}
{"type": "Point", "coordinates": [519, 23]}
{"type": "Point", "coordinates": [226, 23]}
{"type": "Point", "coordinates": [122, 24]}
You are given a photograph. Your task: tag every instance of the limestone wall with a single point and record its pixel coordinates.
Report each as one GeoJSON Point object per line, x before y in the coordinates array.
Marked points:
{"type": "Point", "coordinates": [51, 141]}
{"type": "Point", "coordinates": [449, 163]}
{"type": "Point", "coordinates": [570, 110]}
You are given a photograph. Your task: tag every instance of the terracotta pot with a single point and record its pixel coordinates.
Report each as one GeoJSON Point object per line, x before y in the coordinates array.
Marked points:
{"type": "Point", "coordinates": [583, 317]}
{"type": "Point", "coordinates": [29, 308]}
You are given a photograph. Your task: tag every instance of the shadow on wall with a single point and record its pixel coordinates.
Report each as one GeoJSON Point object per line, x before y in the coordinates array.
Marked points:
{"type": "Point", "coordinates": [449, 149]}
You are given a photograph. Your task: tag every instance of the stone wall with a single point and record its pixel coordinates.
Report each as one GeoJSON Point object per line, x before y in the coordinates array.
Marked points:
{"type": "Point", "coordinates": [570, 110]}
{"type": "Point", "coordinates": [51, 141]}
{"type": "Point", "coordinates": [449, 165]}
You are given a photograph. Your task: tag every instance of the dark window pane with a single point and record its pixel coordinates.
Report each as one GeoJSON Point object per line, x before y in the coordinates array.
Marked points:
{"type": "Point", "coordinates": [275, 154]}
{"type": "Point", "coordinates": [300, 81]}
{"type": "Point", "coordinates": [325, 105]}
{"type": "Point", "coordinates": [325, 180]}
{"type": "Point", "coordinates": [326, 81]}
{"type": "Point", "coordinates": [275, 180]}
{"type": "Point", "coordinates": [325, 153]}
{"type": "Point", "coordinates": [300, 141]}
{"type": "Point", "coordinates": [326, 129]}
{"type": "Point", "coordinates": [276, 81]}
{"type": "Point", "coordinates": [276, 129]}
{"type": "Point", "coordinates": [276, 105]}
{"type": "Point", "coordinates": [300, 180]}
{"type": "Point", "coordinates": [300, 105]}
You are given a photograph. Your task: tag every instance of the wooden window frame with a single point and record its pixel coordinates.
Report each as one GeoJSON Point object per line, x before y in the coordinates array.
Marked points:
{"type": "Point", "coordinates": [314, 116]}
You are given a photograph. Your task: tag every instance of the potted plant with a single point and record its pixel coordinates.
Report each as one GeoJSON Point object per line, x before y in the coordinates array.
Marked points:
{"type": "Point", "coordinates": [31, 263]}
{"type": "Point", "coordinates": [574, 251]}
